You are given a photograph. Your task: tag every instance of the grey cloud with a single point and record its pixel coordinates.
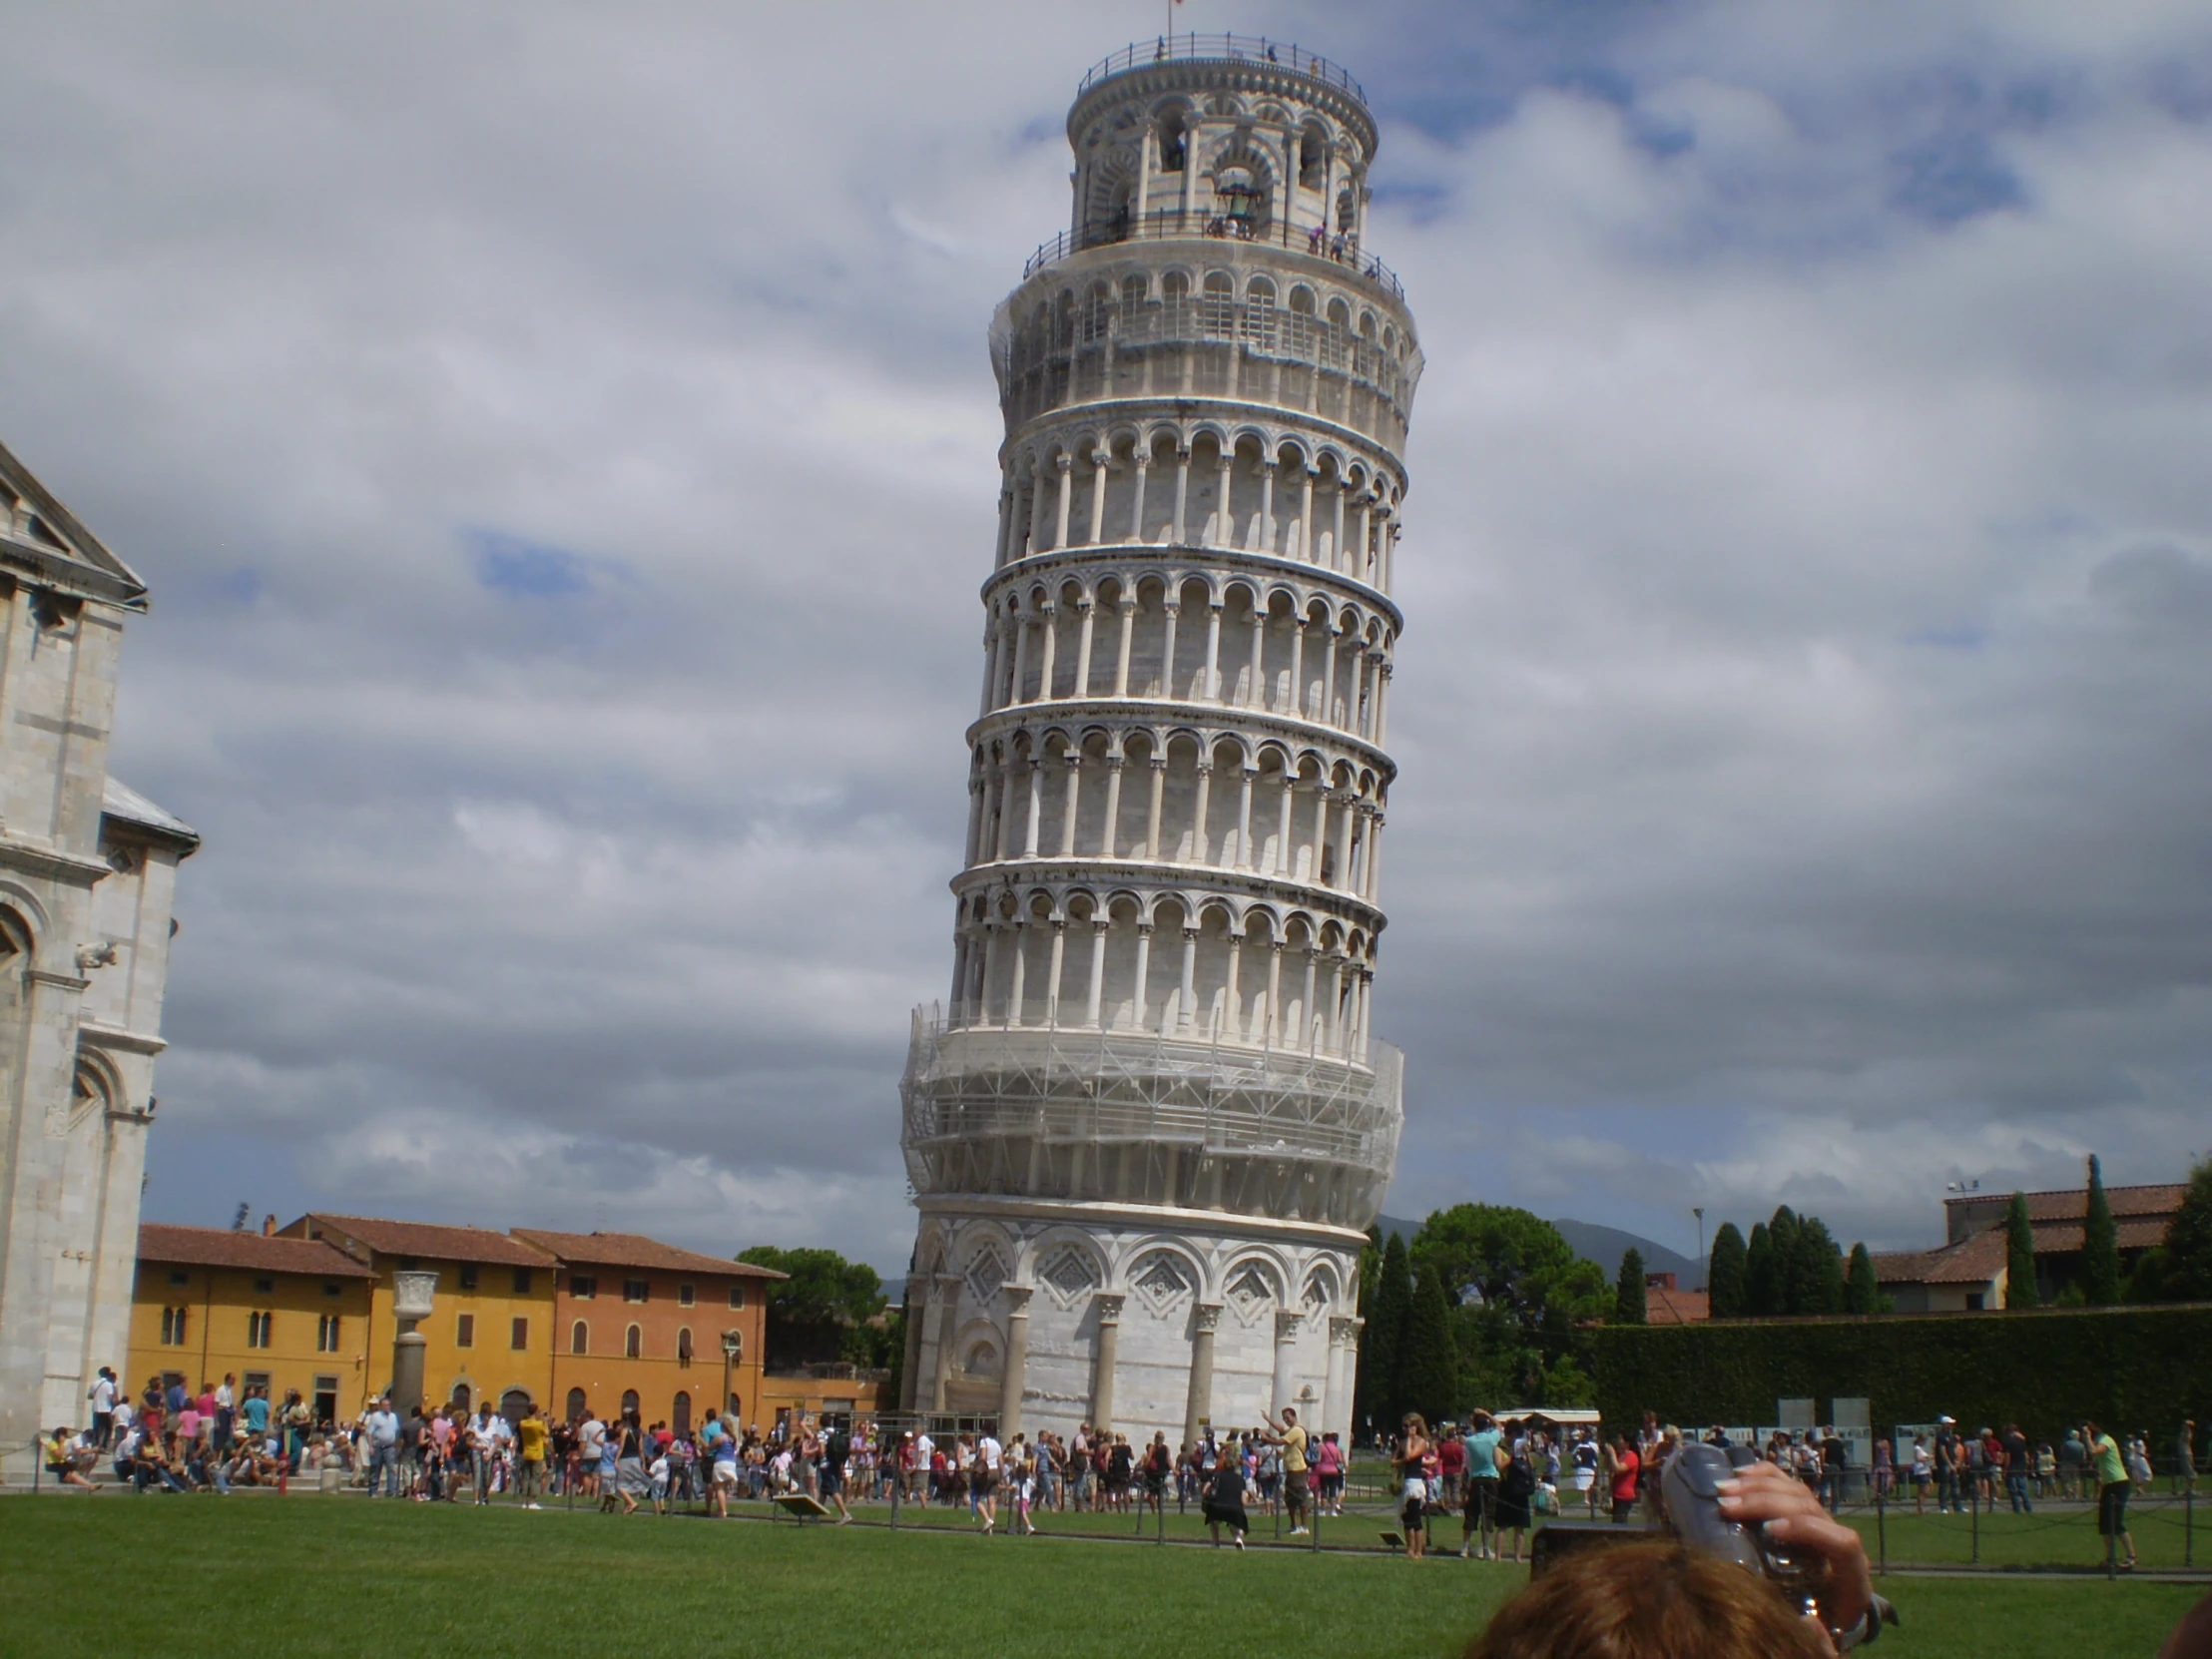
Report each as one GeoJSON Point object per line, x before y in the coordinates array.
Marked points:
{"type": "Point", "coordinates": [561, 444]}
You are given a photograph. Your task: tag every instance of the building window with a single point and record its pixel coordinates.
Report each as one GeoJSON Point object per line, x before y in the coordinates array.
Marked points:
{"type": "Point", "coordinates": [635, 1289]}
{"type": "Point", "coordinates": [686, 1295]}
{"type": "Point", "coordinates": [629, 1402]}
{"type": "Point", "coordinates": [579, 1338]}
{"type": "Point", "coordinates": [633, 1343]}
{"type": "Point", "coordinates": [327, 1334]}
{"type": "Point", "coordinates": [408, 1264]}
{"type": "Point", "coordinates": [469, 1277]}
{"type": "Point", "coordinates": [683, 1346]}
{"type": "Point", "coordinates": [583, 1287]}
{"type": "Point", "coordinates": [173, 1326]}
{"type": "Point", "coordinates": [333, 1290]}
{"type": "Point", "coordinates": [737, 1296]}
{"type": "Point", "coordinates": [265, 1286]}
{"type": "Point", "coordinates": [522, 1281]}
{"type": "Point", "coordinates": [176, 1278]}
{"type": "Point", "coordinates": [519, 1336]}
{"type": "Point", "coordinates": [257, 1331]}
{"type": "Point", "coordinates": [464, 1330]}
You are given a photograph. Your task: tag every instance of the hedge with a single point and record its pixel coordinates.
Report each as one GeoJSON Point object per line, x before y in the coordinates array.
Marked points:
{"type": "Point", "coordinates": [2129, 1368]}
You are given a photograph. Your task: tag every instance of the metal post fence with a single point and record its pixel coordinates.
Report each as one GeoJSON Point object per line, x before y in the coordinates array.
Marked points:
{"type": "Point", "coordinates": [2189, 1523]}
{"type": "Point", "coordinates": [1881, 1530]}
{"type": "Point", "coordinates": [1975, 1487]}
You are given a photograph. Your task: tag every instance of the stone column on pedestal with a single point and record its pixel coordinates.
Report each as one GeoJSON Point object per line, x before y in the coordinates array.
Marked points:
{"type": "Point", "coordinates": [412, 1295]}
{"type": "Point", "coordinates": [1198, 1408]}
{"type": "Point", "coordinates": [1109, 1341]}
{"type": "Point", "coordinates": [1014, 1374]}
{"type": "Point", "coordinates": [1287, 1324]}
{"type": "Point", "coordinates": [947, 1304]}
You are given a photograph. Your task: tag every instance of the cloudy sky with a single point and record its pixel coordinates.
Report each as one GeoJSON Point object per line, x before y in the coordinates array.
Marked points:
{"type": "Point", "coordinates": [561, 444]}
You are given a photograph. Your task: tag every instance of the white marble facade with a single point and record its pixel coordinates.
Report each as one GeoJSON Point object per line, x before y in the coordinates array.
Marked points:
{"type": "Point", "coordinates": [1148, 1127]}
{"type": "Point", "coordinates": [87, 872]}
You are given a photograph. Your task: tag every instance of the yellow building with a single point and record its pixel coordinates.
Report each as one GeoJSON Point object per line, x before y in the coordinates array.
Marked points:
{"type": "Point", "coordinates": [280, 1313]}
{"type": "Point", "coordinates": [489, 1336]}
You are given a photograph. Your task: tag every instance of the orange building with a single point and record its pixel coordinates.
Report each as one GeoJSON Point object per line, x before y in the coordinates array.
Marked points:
{"type": "Point", "coordinates": [280, 1313]}
{"type": "Point", "coordinates": [643, 1326]}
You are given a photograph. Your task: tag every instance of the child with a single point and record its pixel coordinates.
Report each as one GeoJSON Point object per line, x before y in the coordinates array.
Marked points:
{"type": "Point", "coordinates": [1025, 1491]}
{"type": "Point", "coordinates": [659, 1473]}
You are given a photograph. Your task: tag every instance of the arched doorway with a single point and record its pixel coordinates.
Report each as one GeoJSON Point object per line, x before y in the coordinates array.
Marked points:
{"type": "Point", "coordinates": [629, 1402]}
{"type": "Point", "coordinates": [514, 1405]}
{"type": "Point", "coordinates": [680, 1421]}
{"type": "Point", "coordinates": [578, 1406]}
{"type": "Point", "coordinates": [464, 1396]}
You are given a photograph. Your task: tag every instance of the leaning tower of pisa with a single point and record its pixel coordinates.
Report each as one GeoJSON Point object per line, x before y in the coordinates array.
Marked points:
{"type": "Point", "coordinates": [1146, 1131]}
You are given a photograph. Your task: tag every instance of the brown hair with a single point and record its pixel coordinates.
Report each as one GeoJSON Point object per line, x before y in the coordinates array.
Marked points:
{"type": "Point", "coordinates": [1648, 1601]}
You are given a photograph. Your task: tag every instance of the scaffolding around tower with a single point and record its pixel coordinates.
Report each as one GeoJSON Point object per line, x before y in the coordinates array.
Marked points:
{"type": "Point", "coordinates": [1128, 1118]}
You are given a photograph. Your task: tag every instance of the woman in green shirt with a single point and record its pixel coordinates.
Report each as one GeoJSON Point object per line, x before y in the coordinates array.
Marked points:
{"type": "Point", "coordinates": [2113, 1487]}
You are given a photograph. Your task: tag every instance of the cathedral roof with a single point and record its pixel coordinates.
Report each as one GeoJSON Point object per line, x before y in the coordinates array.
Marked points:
{"type": "Point", "coordinates": [55, 545]}
{"type": "Point", "coordinates": [126, 806]}
{"type": "Point", "coordinates": [420, 1238]}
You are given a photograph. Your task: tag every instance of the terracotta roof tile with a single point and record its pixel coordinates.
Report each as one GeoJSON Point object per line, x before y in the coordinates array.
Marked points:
{"type": "Point", "coordinates": [425, 1239]}
{"type": "Point", "coordinates": [635, 1249]}
{"type": "Point", "coordinates": [1975, 1259]}
{"type": "Point", "coordinates": [216, 1247]}
{"type": "Point", "coordinates": [1665, 1307]}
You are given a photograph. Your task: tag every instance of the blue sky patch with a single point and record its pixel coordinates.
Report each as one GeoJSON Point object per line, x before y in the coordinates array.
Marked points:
{"type": "Point", "coordinates": [511, 564]}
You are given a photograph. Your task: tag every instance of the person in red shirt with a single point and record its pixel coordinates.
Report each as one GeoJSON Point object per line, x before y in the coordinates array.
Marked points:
{"type": "Point", "coordinates": [1622, 1466]}
{"type": "Point", "coordinates": [1451, 1465]}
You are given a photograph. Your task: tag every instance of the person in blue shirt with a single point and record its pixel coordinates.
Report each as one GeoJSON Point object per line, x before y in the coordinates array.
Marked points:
{"type": "Point", "coordinates": [1478, 1521]}
{"type": "Point", "coordinates": [256, 1412]}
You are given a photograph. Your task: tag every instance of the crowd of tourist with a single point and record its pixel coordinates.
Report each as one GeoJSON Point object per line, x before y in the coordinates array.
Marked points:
{"type": "Point", "coordinates": [1497, 1476]}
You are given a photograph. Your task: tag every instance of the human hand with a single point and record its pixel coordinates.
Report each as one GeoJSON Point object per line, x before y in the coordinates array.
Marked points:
{"type": "Point", "coordinates": [1788, 1513]}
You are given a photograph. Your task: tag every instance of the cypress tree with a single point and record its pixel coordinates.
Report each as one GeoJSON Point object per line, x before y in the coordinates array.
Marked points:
{"type": "Point", "coordinates": [2019, 1255]}
{"type": "Point", "coordinates": [1628, 1295]}
{"type": "Point", "coordinates": [2100, 1245]}
{"type": "Point", "coordinates": [1724, 1273]}
{"type": "Point", "coordinates": [1816, 1271]}
{"type": "Point", "coordinates": [1759, 1273]}
{"type": "Point", "coordinates": [1782, 1268]}
{"type": "Point", "coordinates": [1862, 1287]}
{"type": "Point", "coordinates": [2189, 1240]}
{"type": "Point", "coordinates": [1429, 1365]}
{"type": "Point", "coordinates": [1382, 1343]}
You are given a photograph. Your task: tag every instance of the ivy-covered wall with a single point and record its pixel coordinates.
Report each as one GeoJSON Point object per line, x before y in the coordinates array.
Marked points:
{"type": "Point", "coordinates": [2129, 1368]}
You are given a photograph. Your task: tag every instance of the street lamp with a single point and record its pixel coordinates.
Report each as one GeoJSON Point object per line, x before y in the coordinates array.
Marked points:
{"type": "Point", "coordinates": [733, 1345]}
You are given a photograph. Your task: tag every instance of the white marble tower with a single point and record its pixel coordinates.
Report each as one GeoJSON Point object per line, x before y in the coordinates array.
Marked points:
{"type": "Point", "coordinates": [1148, 1129]}
{"type": "Point", "coordinates": [87, 869]}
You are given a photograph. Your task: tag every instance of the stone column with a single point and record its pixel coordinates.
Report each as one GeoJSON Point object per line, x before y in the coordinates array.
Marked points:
{"type": "Point", "coordinates": [1286, 1323]}
{"type": "Point", "coordinates": [1142, 461]}
{"type": "Point", "coordinates": [917, 1311]}
{"type": "Point", "coordinates": [1198, 1406]}
{"type": "Point", "coordinates": [1015, 1372]}
{"type": "Point", "coordinates": [1066, 464]}
{"type": "Point", "coordinates": [1257, 698]}
{"type": "Point", "coordinates": [1144, 971]}
{"type": "Point", "coordinates": [1099, 458]}
{"type": "Point", "coordinates": [1266, 506]}
{"type": "Point", "coordinates": [1212, 692]}
{"type": "Point", "coordinates": [1082, 688]}
{"type": "Point", "coordinates": [1110, 834]}
{"type": "Point", "coordinates": [1328, 673]}
{"type": "Point", "coordinates": [1021, 656]}
{"type": "Point", "coordinates": [1073, 761]}
{"type": "Point", "coordinates": [1128, 630]}
{"type": "Point", "coordinates": [1048, 661]}
{"type": "Point", "coordinates": [1188, 1012]}
{"type": "Point", "coordinates": [1159, 765]}
{"type": "Point", "coordinates": [948, 1305]}
{"type": "Point", "coordinates": [1200, 806]}
{"type": "Point", "coordinates": [1336, 1400]}
{"type": "Point", "coordinates": [1225, 523]}
{"type": "Point", "coordinates": [1297, 710]}
{"type": "Point", "coordinates": [1306, 515]}
{"type": "Point", "coordinates": [1099, 924]}
{"type": "Point", "coordinates": [1181, 495]}
{"type": "Point", "coordinates": [1173, 611]}
{"type": "Point", "coordinates": [1109, 1341]}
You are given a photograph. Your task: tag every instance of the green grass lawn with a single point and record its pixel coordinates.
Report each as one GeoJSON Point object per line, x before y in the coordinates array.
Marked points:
{"type": "Point", "coordinates": [258, 1575]}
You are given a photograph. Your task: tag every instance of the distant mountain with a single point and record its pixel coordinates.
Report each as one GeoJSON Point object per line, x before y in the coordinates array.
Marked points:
{"type": "Point", "coordinates": [1603, 1244]}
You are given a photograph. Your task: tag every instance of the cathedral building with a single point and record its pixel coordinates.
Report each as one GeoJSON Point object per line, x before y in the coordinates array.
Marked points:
{"type": "Point", "coordinates": [1147, 1130]}
{"type": "Point", "coordinates": [88, 868]}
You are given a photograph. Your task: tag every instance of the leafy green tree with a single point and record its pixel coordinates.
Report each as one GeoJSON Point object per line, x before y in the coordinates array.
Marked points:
{"type": "Point", "coordinates": [2100, 1245]}
{"type": "Point", "coordinates": [2019, 1256]}
{"type": "Point", "coordinates": [1428, 1366]}
{"type": "Point", "coordinates": [1861, 1285]}
{"type": "Point", "coordinates": [819, 1309]}
{"type": "Point", "coordinates": [1524, 1301]}
{"type": "Point", "coordinates": [1782, 1239]}
{"type": "Point", "coordinates": [1381, 1345]}
{"type": "Point", "coordinates": [1724, 1273]}
{"type": "Point", "coordinates": [1628, 1291]}
{"type": "Point", "coordinates": [1759, 1293]}
{"type": "Point", "coordinates": [2188, 1246]}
